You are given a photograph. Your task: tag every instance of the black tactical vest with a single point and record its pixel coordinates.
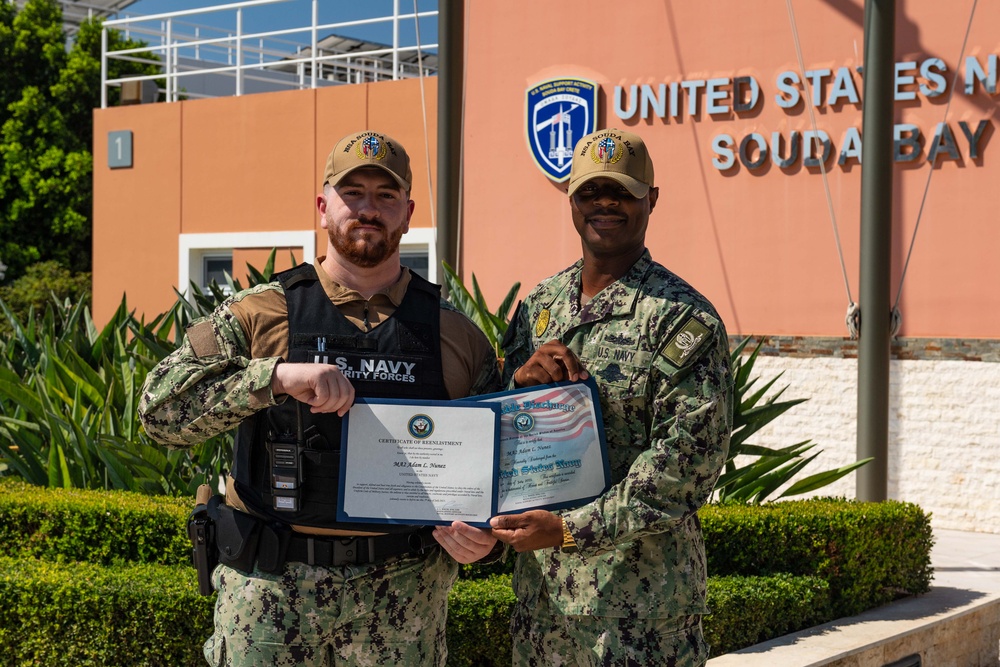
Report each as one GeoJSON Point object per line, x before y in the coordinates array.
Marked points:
{"type": "Point", "coordinates": [400, 358]}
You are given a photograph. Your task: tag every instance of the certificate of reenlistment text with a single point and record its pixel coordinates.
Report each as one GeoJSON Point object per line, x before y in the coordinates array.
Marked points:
{"type": "Point", "coordinates": [418, 463]}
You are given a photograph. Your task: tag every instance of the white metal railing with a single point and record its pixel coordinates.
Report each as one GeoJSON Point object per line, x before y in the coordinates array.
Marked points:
{"type": "Point", "coordinates": [187, 49]}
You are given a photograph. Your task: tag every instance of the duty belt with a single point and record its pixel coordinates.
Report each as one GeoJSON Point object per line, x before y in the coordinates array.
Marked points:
{"type": "Point", "coordinates": [245, 542]}
{"type": "Point", "coordinates": [339, 551]}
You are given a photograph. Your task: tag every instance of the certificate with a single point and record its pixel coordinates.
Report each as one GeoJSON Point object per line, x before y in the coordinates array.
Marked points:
{"type": "Point", "coordinates": [553, 454]}
{"type": "Point", "coordinates": [434, 462]}
{"type": "Point", "coordinates": [421, 463]}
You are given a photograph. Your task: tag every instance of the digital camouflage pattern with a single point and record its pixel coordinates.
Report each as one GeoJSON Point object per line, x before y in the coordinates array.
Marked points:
{"type": "Point", "coordinates": [386, 613]}
{"type": "Point", "coordinates": [660, 356]}
{"type": "Point", "coordinates": [389, 613]}
{"type": "Point", "coordinates": [542, 638]}
{"type": "Point", "coordinates": [192, 395]}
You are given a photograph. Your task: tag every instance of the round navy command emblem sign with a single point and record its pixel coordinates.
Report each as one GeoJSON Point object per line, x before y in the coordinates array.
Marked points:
{"type": "Point", "coordinates": [559, 112]}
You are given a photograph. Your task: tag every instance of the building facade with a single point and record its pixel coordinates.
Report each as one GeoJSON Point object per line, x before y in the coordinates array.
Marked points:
{"type": "Point", "coordinates": [752, 114]}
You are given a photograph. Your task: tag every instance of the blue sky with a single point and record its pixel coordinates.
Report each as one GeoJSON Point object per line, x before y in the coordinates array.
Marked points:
{"type": "Point", "coordinates": [297, 13]}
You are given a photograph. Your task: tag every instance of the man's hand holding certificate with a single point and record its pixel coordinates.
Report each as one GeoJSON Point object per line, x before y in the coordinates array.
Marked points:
{"type": "Point", "coordinates": [536, 448]}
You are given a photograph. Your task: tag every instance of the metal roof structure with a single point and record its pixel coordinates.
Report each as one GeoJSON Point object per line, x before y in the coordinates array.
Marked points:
{"type": "Point", "coordinates": [76, 12]}
{"type": "Point", "coordinates": [211, 61]}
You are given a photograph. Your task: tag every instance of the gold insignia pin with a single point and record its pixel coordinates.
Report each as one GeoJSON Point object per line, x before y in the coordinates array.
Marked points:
{"type": "Point", "coordinates": [542, 323]}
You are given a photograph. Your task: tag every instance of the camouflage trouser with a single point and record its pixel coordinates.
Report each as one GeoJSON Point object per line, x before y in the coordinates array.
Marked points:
{"type": "Point", "coordinates": [545, 638]}
{"type": "Point", "coordinates": [388, 613]}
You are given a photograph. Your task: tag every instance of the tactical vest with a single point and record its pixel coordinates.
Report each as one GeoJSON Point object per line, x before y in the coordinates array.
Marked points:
{"type": "Point", "coordinates": [400, 358]}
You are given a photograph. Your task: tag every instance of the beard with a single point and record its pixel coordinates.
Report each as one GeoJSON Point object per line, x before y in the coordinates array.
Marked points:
{"type": "Point", "coordinates": [361, 251]}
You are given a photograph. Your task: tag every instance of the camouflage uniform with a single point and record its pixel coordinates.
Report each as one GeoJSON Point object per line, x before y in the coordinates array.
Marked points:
{"type": "Point", "coordinates": [634, 591]}
{"type": "Point", "coordinates": [383, 613]}
{"type": "Point", "coordinates": [388, 613]}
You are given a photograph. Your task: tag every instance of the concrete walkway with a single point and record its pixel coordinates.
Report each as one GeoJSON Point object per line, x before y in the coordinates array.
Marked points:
{"type": "Point", "coordinates": [956, 624]}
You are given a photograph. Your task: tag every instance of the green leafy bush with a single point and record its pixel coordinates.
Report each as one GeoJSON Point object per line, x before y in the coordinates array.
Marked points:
{"type": "Point", "coordinates": [749, 610]}
{"type": "Point", "coordinates": [41, 283]}
{"type": "Point", "coordinates": [81, 614]}
{"type": "Point", "coordinates": [479, 622]}
{"type": "Point", "coordinates": [65, 525]}
{"type": "Point", "coordinates": [68, 398]}
{"type": "Point", "coordinates": [774, 568]}
{"type": "Point", "coordinates": [870, 553]}
{"type": "Point", "coordinates": [69, 392]}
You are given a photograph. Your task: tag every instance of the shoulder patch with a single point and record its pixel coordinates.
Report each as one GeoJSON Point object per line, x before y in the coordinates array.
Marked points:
{"type": "Point", "coordinates": [682, 344]}
{"type": "Point", "coordinates": [202, 338]}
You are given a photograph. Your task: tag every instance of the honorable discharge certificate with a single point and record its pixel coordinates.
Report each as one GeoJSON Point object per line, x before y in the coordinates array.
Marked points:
{"type": "Point", "coordinates": [552, 449]}
{"type": "Point", "coordinates": [418, 463]}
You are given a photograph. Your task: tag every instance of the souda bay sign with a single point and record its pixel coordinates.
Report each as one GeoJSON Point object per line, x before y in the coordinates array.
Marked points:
{"type": "Point", "coordinates": [831, 90]}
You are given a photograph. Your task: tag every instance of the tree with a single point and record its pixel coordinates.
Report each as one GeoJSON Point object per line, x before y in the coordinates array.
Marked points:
{"type": "Point", "coordinates": [46, 97]}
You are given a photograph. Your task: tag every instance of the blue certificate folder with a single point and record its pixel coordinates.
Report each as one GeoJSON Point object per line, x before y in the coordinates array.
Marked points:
{"type": "Point", "coordinates": [419, 462]}
{"type": "Point", "coordinates": [539, 447]}
{"type": "Point", "coordinates": [552, 453]}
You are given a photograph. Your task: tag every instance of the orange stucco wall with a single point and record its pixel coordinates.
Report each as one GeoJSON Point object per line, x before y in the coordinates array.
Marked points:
{"type": "Point", "coordinates": [759, 243]}
{"type": "Point", "coordinates": [237, 164]}
{"type": "Point", "coordinates": [137, 211]}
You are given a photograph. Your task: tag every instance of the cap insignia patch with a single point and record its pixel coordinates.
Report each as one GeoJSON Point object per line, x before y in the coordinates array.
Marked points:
{"type": "Point", "coordinates": [605, 151]}
{"type": "Point", "coordinates": [371, 148]}
{"type": "Point", "coordinates": [686, 341]}
{"type": "Point", "coordinates": [542, 323]}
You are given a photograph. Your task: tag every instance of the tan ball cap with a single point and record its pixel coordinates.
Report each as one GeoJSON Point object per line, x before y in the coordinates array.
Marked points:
{"type": "Point", "coordinates": [615, 154]}
{"type": "Point", "coordinates": [368, 149]}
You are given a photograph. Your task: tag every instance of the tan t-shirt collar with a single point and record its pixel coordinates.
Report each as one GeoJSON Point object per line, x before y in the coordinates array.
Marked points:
{"type": "Point", "coordinates": [340, 295]}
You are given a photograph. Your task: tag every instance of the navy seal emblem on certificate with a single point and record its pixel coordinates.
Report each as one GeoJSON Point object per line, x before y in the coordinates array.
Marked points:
{"type": "Point", "coordinates": [558, 113]}
{"type": "Point", "coordinates": [420, 426]}
{"type": "Point", "coordinates": [523, 422]}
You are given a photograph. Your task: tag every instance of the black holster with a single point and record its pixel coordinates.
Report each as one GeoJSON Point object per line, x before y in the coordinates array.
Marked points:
{"type": "Point", "coordinates": [204, 553]}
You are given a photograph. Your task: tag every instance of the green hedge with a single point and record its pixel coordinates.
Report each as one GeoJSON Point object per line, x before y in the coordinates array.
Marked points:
{"type": "Point", "coordinates": [870, 553]}
{"type": "Point", "coordinates": [83, 614]}
{"type": "Point", "coordinates": [479, 622]}
{"type": "Point", "coordinates": [748, 610]}
{"type": "Point", "coordinates": [151, 615]}
{"type": "Point", "coordinates": [775, 569]}
{"type": "Point", "coordinates": [100, 527]}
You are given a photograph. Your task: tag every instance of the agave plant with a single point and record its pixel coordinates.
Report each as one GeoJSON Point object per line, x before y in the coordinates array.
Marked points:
{"type": "Point", "coordinates": [473, 305]}
{"type": "Point", "coordinates": [755, 481]}
{"type": "Point", "coordinates": [69, 392]}
{"type": "Point", "coordinates": [68, 396]}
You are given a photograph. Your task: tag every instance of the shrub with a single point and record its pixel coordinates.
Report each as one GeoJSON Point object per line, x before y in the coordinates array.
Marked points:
{"type": "Point", "coordinates": [776, 568]}
{"type": "Point", "coordinates": [479, 622]}
{"type": "Point", "coordinates": [64, 525]}
{"type": "Point", "coordinates": [81, 614]}
{"type": "Point", "coordinates": [748, 610]}
{"type": "Point", "coordinates": [870, 553]}
{"type": "Point", "coordinates": [41, 283]}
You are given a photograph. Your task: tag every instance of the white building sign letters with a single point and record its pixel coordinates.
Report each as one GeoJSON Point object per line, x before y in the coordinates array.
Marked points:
{"type": "Point", "coordinates": [827, 89]}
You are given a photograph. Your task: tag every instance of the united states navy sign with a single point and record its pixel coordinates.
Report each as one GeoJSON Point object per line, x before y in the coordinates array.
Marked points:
{"type": "Point", "coordinates": [559, 112]}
